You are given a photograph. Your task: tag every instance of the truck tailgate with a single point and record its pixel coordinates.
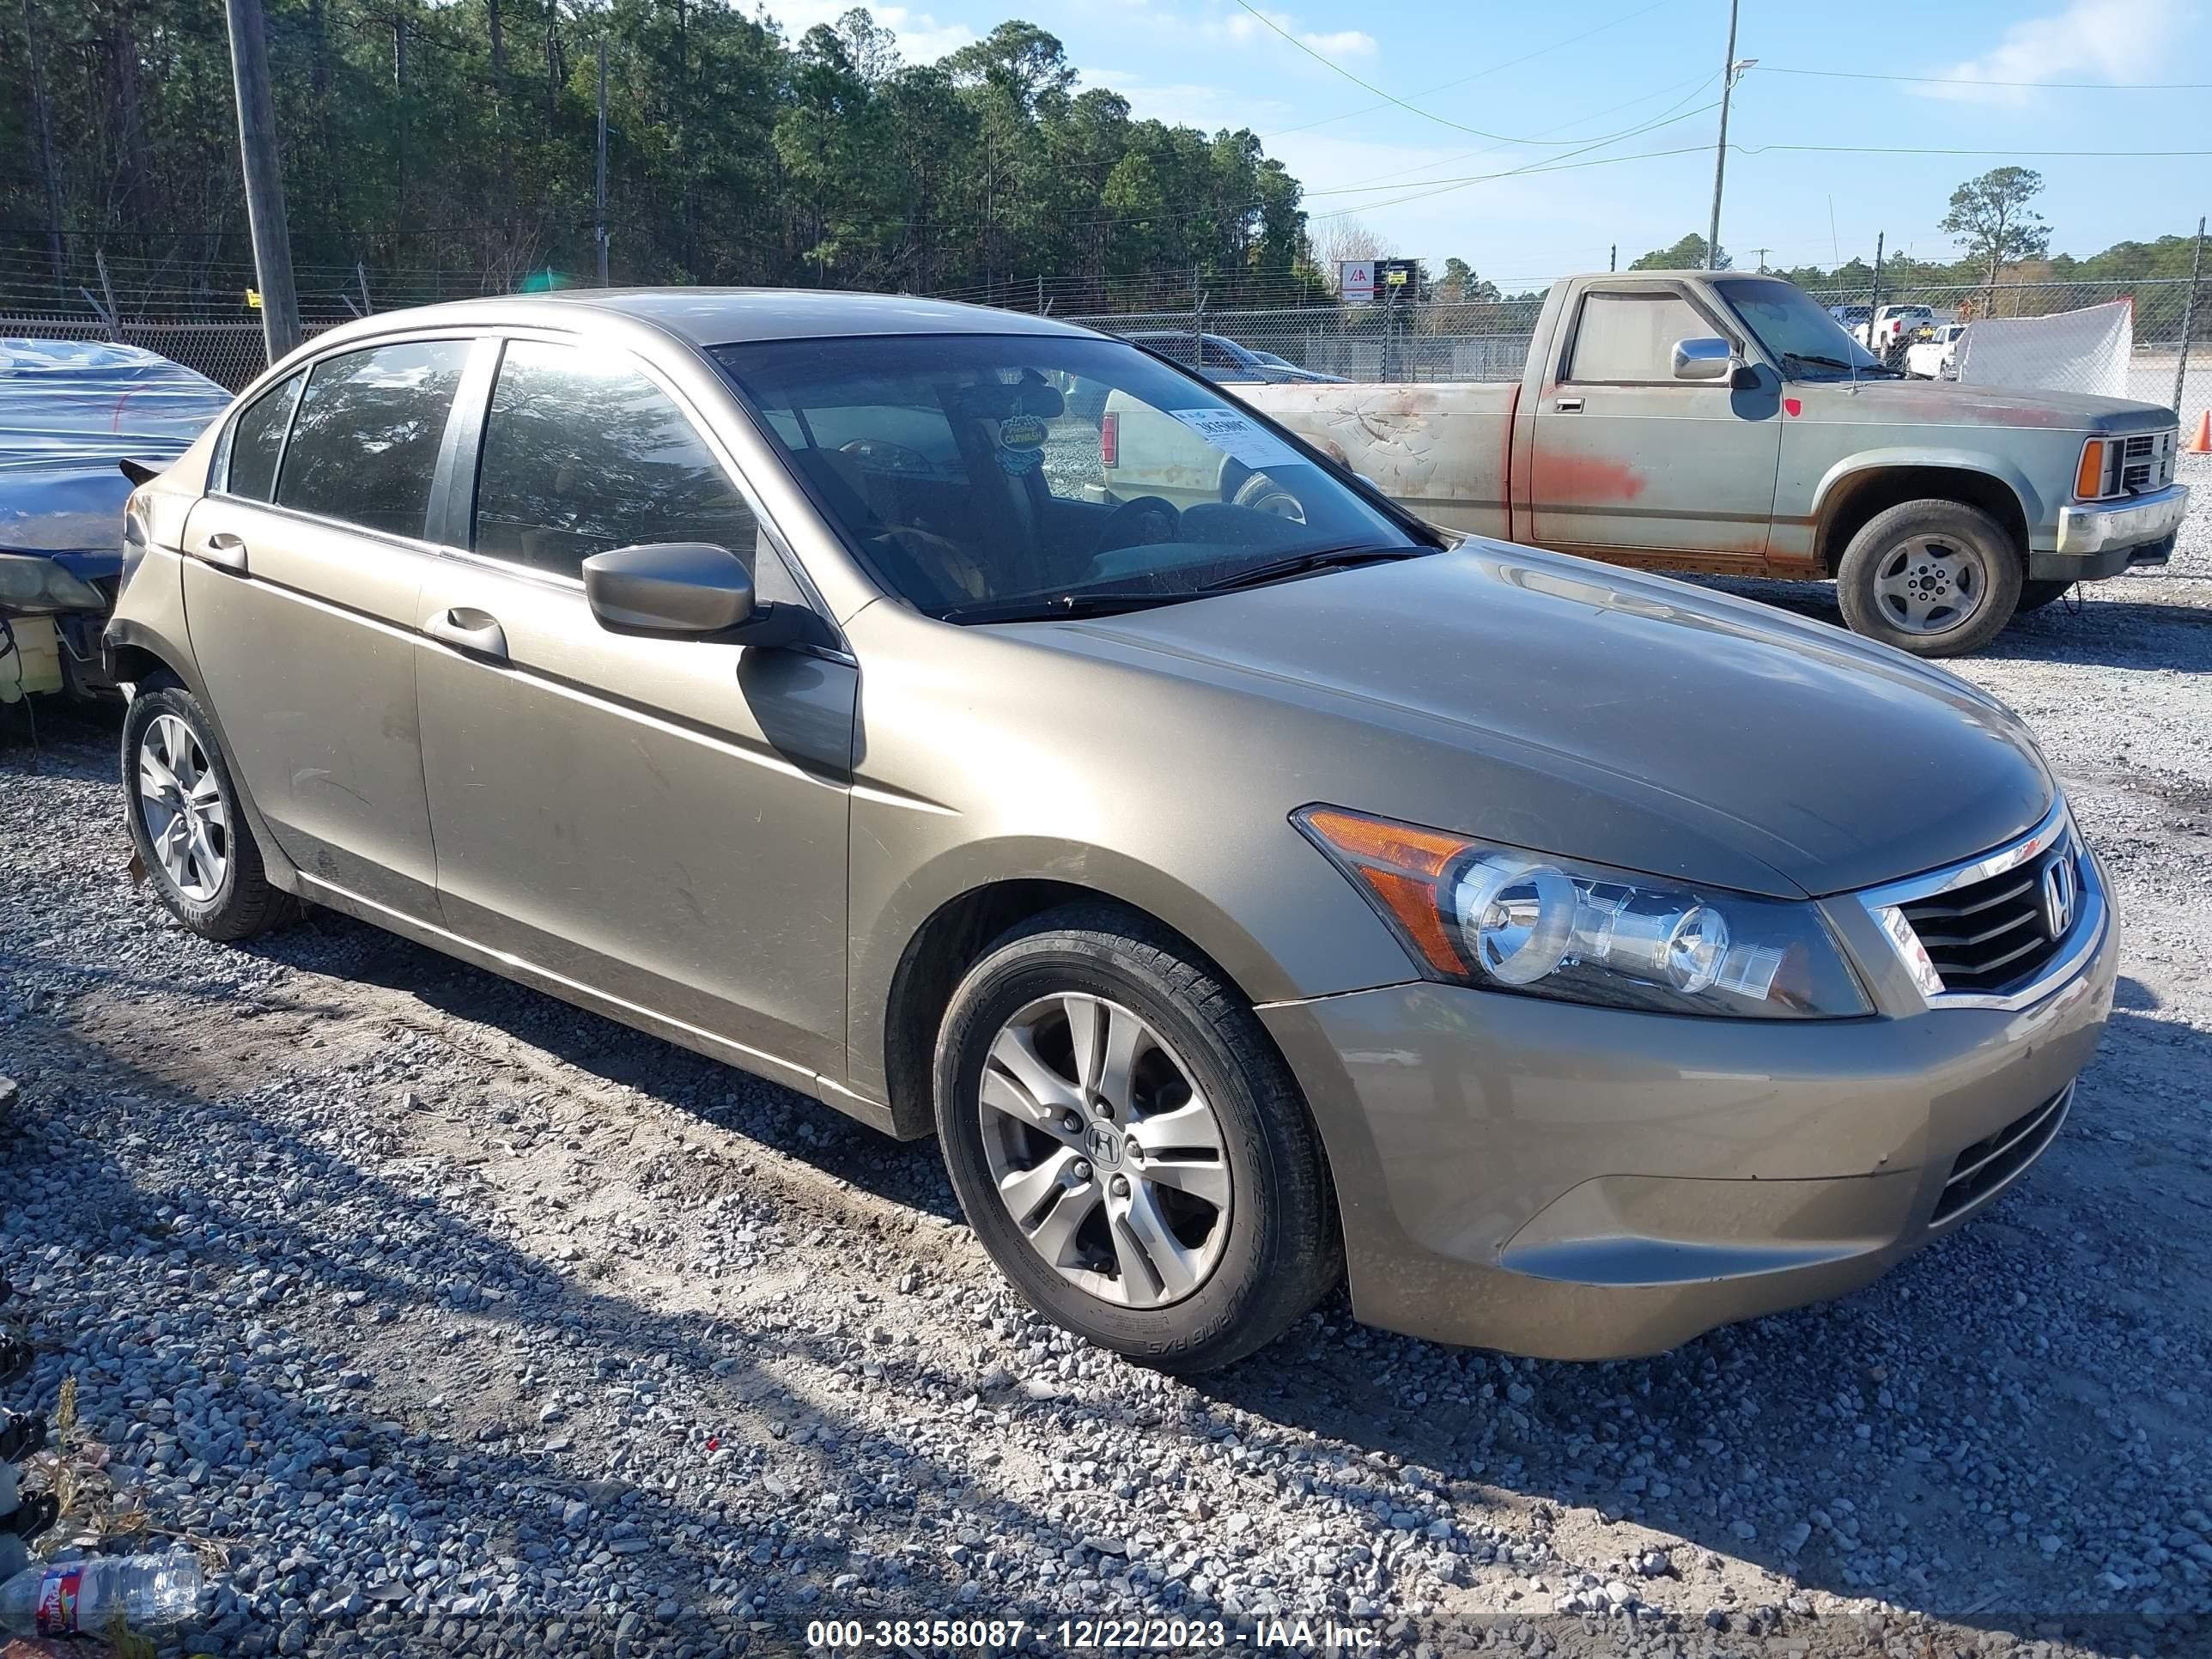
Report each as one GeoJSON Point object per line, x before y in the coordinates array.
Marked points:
{"type": "Point", "coordinates": [1439, 450]}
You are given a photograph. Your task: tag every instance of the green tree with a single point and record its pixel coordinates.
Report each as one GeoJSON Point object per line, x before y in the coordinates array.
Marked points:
{"type": "Point", "coordinates": [1991, 215]}
{"type": "Point", "coordinates": [1688, 254]}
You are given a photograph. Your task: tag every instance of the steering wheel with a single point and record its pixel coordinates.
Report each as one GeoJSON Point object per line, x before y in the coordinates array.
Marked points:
{"type": "Point", "coordinates": [879, 455]}
{"type": "Point", "coordinates": [1141, 521]}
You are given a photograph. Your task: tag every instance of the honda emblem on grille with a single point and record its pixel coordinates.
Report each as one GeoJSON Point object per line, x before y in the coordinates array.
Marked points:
{"type": "Point", "coordinates": [2062, 891]}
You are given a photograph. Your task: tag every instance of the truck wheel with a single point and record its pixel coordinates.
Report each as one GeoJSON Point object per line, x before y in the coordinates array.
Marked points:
{"type": "Point", "coordinates": [1263, 494]}
{"type": "Point", "coordinates": [1129, 1146]}
{"type": "Point", "coordinates": [1936, 578]}
{"type": "Point", "coordinates": [2034, 594]}
{"type": "Point", "coordinates": [184, 821]}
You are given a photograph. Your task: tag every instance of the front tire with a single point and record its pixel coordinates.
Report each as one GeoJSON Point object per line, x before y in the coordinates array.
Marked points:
{"type": "Point", "coordinates": [1937, 578]}
{"type": "Point", "coordinates": [182, 812]}
{"type": "Point", "coordinates": [1080, 1036]}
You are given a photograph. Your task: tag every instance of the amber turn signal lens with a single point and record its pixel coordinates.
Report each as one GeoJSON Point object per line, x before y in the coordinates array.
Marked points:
{"type": "Point", "coordinates": [2089, 479]}
{"type": "Point", "coordinates": [1404, 867]}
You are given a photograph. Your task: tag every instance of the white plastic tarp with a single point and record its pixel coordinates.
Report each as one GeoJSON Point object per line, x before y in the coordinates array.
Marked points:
{"type": "Point", "coordinates": [70, 410]}
{"type": "Point", "coordinates": [2084, 350]}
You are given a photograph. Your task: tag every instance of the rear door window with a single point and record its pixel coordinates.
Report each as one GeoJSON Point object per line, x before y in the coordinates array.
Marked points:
{"type": "Point", "coordinates": [364, 446]}
{"type": "Point", "coordinates": [258, 437]}
{"type": "Point", "coordinates": [582, 454]}
{"type": "Point", "coordinates": [1630, 337]}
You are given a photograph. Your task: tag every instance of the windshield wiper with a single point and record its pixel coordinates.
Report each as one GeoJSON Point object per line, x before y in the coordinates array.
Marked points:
{"type": "Point", "coordinates": [1299, 564]}
{"type": "Point", "coordinates": [1838, 362]}
{"type": "Point", "coordinates": [1059, 607]}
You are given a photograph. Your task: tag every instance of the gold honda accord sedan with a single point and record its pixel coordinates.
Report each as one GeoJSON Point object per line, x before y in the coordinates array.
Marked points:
{"type": "Point", "coordinates": [1247, 895]}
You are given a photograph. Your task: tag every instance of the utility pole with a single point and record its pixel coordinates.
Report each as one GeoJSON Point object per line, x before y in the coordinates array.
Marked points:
{"type": "Point", "coordinates": [1613, 259]}
{"type": "Point", "coordinates": [1730, 69]}
{"type": "Point", "coordinates": [600, 226]}
{"type": "Point", "coordinates": [265, 180]}
{"type": "Point", "coordinates": [1874, 295]}
{"type": "Point", "coordinates": [2189, 314]}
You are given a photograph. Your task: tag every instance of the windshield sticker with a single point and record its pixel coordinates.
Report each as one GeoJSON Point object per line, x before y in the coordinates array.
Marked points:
{"type": "Point", "coordinates": [1021, 444]}
{"type": "Point", "coordinates": [1239, 438]}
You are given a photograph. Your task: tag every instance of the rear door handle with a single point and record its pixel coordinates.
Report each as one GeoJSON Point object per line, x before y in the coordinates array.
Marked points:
{"type": "Point", "coordinates": [225, 552]}
{"type": "Point", "coordinates": [1567, 405]}
{"type": "Point", "coordinates": [475, 632]}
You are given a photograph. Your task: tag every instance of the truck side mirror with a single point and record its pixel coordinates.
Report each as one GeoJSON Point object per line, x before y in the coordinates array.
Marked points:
{"type": "Point", "coordinates": [1709, 358]}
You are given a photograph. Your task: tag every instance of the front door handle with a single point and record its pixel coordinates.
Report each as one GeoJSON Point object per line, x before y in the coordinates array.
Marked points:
{"type": "Point", "coordinates": [475, 632]}
{"type": "Point", "coordinates": [225, 552]}
{"type": "Point", "coordinates": [1567, 405]}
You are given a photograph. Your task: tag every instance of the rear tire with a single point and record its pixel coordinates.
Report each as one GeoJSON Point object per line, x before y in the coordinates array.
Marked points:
{"type": "Point", "coordinates": [1186, 1256]}
{"type": "Point", "coordinates": [185, 820]}
{"type": "Point", "coordinates": [1937, 578]}
{"type": "Point", "coordinates": [2035, 593]}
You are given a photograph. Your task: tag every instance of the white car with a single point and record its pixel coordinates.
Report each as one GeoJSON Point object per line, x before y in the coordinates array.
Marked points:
{"type": "Point", "coordinates": [1935, 358]}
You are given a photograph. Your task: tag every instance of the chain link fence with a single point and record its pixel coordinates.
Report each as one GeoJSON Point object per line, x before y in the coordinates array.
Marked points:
{"type": "Point", "coordinates": [199, 317]}
{"type": "Point", "coordinates": [1451, 340]}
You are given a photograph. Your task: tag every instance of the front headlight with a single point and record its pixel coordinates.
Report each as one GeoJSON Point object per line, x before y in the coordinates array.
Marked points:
{"type": "Point", "coordinates": [1503, 919]}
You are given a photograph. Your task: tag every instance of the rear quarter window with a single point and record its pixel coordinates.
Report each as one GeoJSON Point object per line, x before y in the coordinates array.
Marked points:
{"type": "Point", "coordinates": [257, 439]}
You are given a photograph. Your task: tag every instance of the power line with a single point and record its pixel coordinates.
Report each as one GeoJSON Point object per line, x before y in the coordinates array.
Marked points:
{"type": "Point", "coordinates": [1513, 172]}
{"type": "Point", "coordinates": [1871, 150]}
{"type": "Point", "coordinates": [1701, 84]}
{"type": "Point", "coordinates": [1446, 86]}
{"type": "Point", "coordinates": [1976, 80]}
{"type": "Point", "coordinates": [1389, 97]}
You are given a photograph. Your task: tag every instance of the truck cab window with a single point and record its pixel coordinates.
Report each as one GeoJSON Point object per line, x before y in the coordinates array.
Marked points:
{"type": "Point", "coordinates": [1631, 337]}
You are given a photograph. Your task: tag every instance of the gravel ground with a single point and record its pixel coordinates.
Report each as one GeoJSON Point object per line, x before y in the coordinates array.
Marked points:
{"type": "Point", "coordinates": [460, 1321]}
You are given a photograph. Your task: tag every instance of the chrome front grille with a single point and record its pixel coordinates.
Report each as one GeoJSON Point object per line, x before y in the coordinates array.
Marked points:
{"type": "Point", "coordinates": [1992, 1161]}
{"type": "Point", "coordinates": [2147, 461]}
{"type": "Point", "coordinates": [1993, 934]}
{"type": "Point", "coordinates": [2000, 931]}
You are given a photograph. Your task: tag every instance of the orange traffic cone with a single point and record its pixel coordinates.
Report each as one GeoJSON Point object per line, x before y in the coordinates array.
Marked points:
{"type": "Point", "coordinates": [2202, 443]}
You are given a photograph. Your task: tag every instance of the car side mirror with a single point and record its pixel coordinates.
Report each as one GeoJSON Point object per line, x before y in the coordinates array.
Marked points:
{"type": "Point", "coordinates": [676, 588]}
{"type": "Point", "coordinates": [1708, 358]}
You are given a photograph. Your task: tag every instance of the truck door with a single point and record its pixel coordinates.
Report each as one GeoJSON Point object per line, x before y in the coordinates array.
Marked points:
{"type": "Point", "coordinates": [1628, 464]}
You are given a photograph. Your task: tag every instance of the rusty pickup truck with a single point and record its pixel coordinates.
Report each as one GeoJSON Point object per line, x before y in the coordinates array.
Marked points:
{"type": "Point", "coordinates": [1724, 423]}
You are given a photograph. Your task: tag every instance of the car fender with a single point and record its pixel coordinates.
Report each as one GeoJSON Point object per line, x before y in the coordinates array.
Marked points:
{"type": "Point", "coordinates": [1834, 482]}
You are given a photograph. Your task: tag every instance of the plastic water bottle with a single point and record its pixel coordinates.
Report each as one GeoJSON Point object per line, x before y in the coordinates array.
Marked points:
{"type": "Point", "coordinates": [60, 1598]}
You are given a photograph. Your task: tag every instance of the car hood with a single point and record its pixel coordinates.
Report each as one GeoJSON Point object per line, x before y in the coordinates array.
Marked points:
{"type": "Point", "coordinates": [1553, 703]}
{"type": "Point", "coordinates": [1949, 402]}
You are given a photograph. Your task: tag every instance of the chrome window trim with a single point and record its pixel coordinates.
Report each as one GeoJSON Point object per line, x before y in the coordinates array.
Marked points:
{"type": "Point", "coordinates": [1884, 905]}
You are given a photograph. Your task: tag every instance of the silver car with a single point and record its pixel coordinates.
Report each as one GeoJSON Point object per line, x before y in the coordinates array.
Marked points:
{"type": "Point", "coordinates": [1245, 898]}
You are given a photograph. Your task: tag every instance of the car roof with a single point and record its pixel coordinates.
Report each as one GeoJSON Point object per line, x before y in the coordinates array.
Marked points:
{"type": "Point", "coordinates": [726, 316]}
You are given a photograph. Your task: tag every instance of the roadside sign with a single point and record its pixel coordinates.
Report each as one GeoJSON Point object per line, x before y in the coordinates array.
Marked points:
{"type": "Point", "coordinates": [1396, 277]}
{"type": "Point", "coordinates": [254, 298]}
{"type": "Point", "coordinates": [1355, 282]}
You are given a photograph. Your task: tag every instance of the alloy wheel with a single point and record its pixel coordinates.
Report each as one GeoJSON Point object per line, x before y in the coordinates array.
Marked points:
{"type": "Point", "coordinates": [1924, 586]}
{"type": "Point", "coordinates": [186, 821]}
{"type": "Point", "coordinates": [1105, 1151]}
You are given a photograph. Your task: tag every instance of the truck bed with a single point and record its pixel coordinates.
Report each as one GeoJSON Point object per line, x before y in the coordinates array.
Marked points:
{"type": "Point", "coordinates": [1439, 449]}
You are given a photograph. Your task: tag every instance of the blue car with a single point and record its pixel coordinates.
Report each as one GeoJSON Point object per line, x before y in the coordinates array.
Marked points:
{"type": "Point", "coordinates": [72, 414]}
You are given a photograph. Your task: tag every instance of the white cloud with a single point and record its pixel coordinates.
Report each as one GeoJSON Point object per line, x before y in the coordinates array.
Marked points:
{"type": "Point", "coordinates": [922, 38]}
{"type": "Point", "coordinates": [1242, 25]}
{"type": "Point", "coordinates": [2090, 39]}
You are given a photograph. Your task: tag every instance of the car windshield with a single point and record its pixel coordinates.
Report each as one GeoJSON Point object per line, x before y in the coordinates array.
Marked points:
{"type": "Point", "coordinates": [1797, 333]}
{"type": "Point", "coordinates": [971, 472]}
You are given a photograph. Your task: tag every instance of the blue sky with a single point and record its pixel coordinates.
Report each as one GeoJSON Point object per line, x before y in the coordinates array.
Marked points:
{"type": "Point", "coordinates": [1211, 63]}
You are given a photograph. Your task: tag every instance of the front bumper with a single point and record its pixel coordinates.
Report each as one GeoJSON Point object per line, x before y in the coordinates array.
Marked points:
{"type": "Point", "coordinates": [2094, 531]}
{"type": "Point", "coordinates": [1578, 1182]}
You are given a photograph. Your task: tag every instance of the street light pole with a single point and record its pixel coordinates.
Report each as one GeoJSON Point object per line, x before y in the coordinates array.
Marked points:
{"type": "Point", "coordinates": [1729, 70]}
